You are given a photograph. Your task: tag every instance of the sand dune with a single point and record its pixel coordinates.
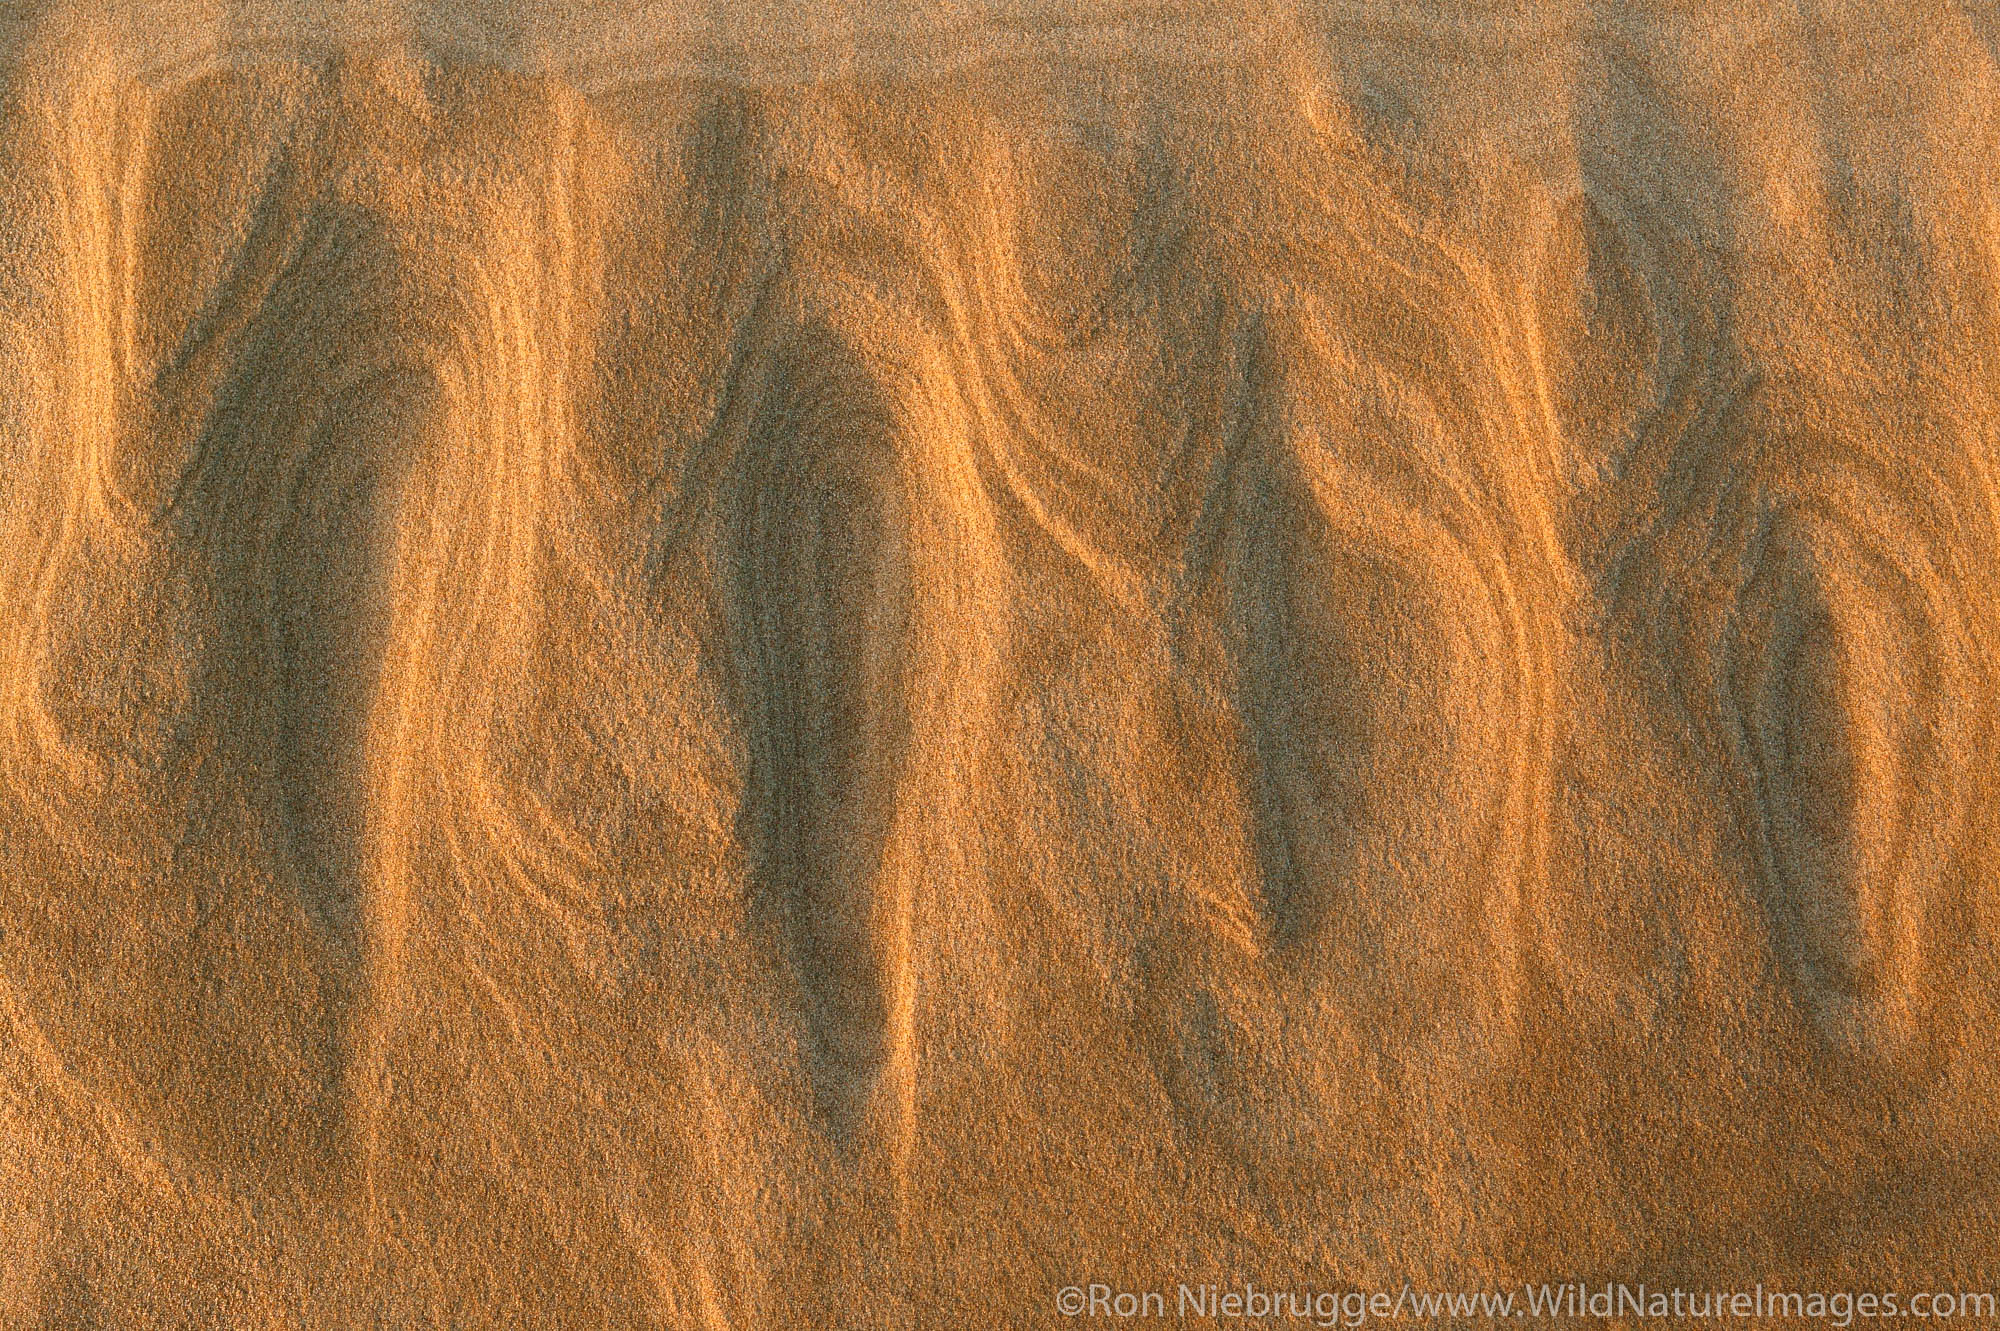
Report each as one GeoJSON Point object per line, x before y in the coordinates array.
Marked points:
{"type": "Point", "coordinates": [722, 666]}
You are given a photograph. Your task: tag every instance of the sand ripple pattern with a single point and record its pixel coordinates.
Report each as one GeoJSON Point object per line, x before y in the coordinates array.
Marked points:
{"type": "Point", "coordinates": [663, 672]}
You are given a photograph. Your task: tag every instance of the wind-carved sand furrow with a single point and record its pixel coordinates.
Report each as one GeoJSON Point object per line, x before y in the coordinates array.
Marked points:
{"type": "Point", "coordinates": [825, 576]}
{"type": "Point", "coordinates": [288, 461]}
{"type": "Point", "coordinates": [858, 557]}
{"type": "Point", "coordinates": [1378, 533]}
{"type": "Point", "coordinates": [860, 594]}
{"type": "Point", "coordinates": [822, 587]}
{"type": "Point", "coordinates": [1847, 692]}
{"type": "Point", "coordinates": [1394, 660]}
{"type": "Point", "coordinates": [1834, 696]}
{"type": "Point", "coordinates": [1823, 641]}
{"type": "Point", "coordinates": [401, 419]}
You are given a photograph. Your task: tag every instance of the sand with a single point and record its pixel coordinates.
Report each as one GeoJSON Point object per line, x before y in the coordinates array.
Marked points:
{"type": "Point", "coordinates": [732, 666]}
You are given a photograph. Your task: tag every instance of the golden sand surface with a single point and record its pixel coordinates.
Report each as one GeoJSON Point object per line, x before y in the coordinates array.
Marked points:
{"type": "Point", "coordinates": [757, 665]}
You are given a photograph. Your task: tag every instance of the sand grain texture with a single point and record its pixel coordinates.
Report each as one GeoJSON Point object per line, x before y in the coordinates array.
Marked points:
{"type": "Point", "coordinates": [725, 666]}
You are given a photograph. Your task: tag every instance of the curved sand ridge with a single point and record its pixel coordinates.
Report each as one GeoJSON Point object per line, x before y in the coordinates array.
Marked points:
{"type": "Point", "coordinates": [664, 664]}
